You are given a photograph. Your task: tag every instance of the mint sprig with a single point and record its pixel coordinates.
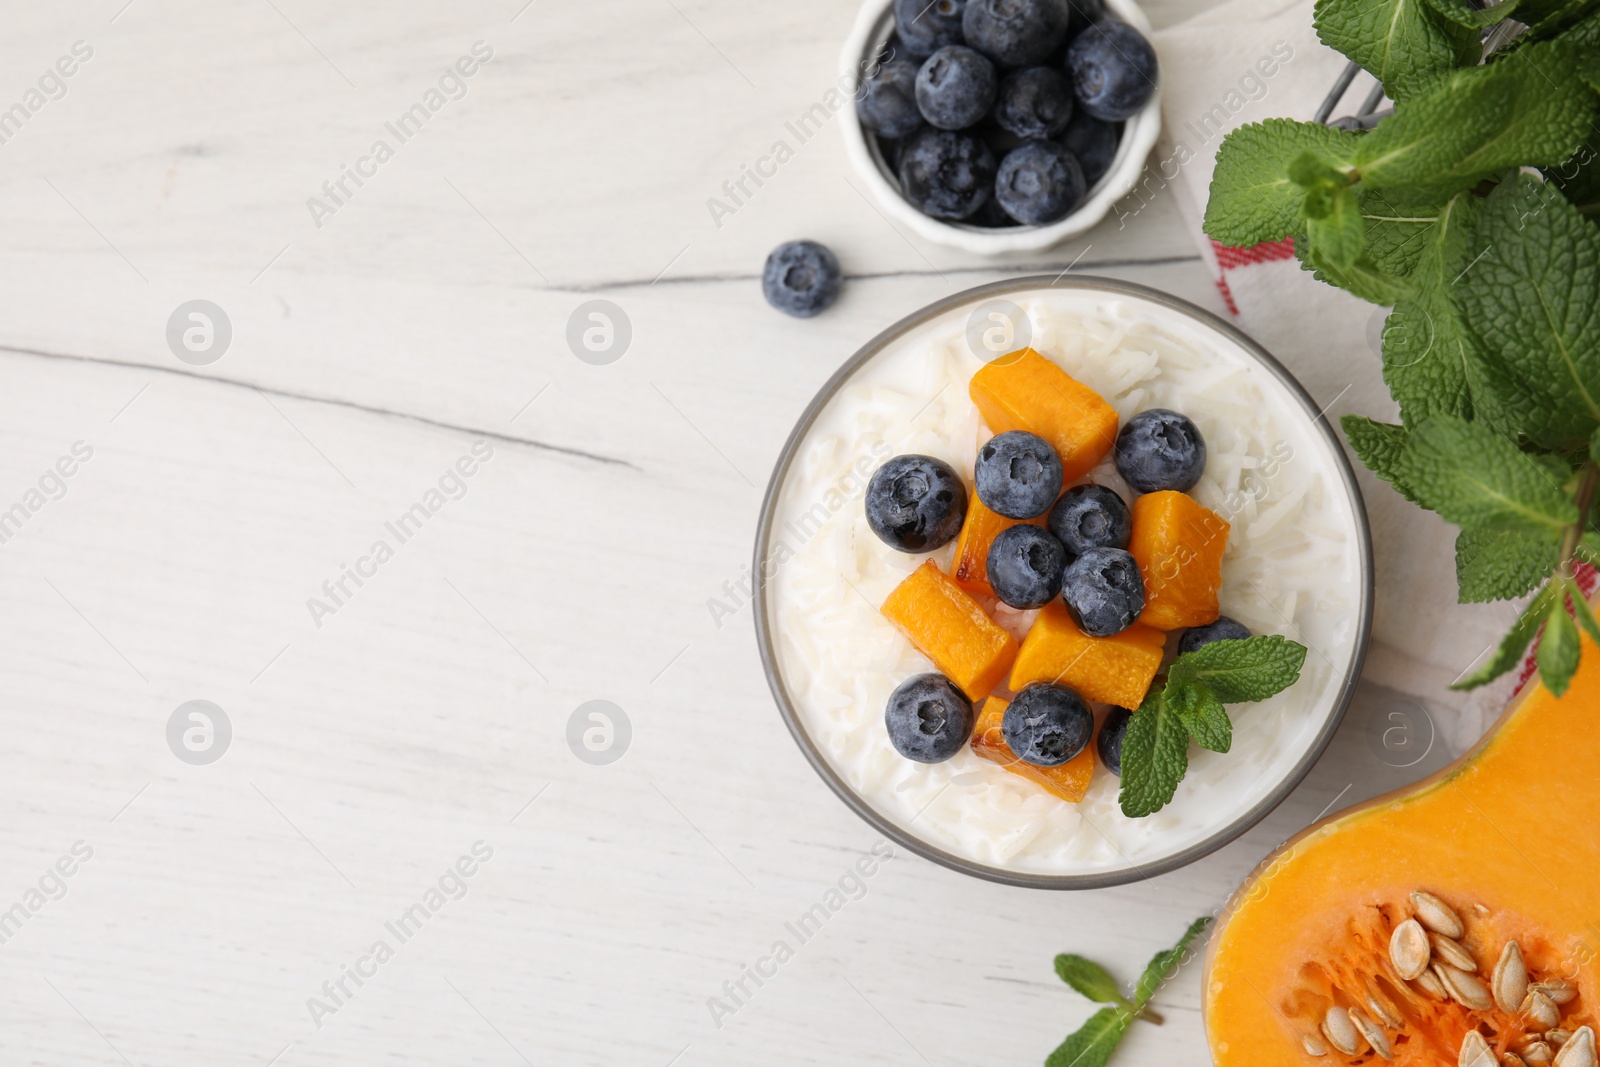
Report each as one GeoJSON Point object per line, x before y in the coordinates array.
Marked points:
{"type": "Point", "coordinates": [1092, 1044]}
{"type": "Point", "coordinates": [1188, 706]}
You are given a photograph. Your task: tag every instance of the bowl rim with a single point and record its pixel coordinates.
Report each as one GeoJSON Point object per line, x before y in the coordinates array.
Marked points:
{"type": "Point", "coordinates": [1137, 872]}
{"type": "Point", "coordinates": [1139, 135]}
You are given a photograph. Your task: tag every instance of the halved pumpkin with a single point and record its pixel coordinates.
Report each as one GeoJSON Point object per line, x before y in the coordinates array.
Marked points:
{"type": "Point", "coordinates": [1025, 391]}
{"type": "Point", "coordinates": [1069, 781]}
{"type": "Point", "coordinates": [1505, 838]}
{"type": "Point", "coordinates": [970, 568]}
{"type": "Point", "coordinates": [950, 628]}
{"type": "Point", "coordinates": [1115, 670]}
{"type": "Point", "coordinates": [1178, 545]}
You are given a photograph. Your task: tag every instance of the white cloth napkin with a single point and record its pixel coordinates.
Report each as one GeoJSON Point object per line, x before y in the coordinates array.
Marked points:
{"type": "Point", "coordinates": [1249, 60]}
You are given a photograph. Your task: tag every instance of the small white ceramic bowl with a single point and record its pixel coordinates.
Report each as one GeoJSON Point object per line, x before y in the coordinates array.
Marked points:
{"type": "Point", "coordinates": [872, 30]}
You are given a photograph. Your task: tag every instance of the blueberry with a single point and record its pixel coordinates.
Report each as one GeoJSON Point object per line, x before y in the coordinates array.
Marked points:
{"type": "Point", "coordinates": [1109, 743]}
{"type": "Point", "coordinates": [928, 718]}
{"type": "Point", "coordinates": [888, 100]}
{"type": "Point", "coordinates": [1113, 70]}
{"type": "Point", "coordinates": [1094, 142]}
{"type": "Point", "coordinates": [992, 216]}
{"type": "Point", "coordinates": [1047, 725]}
{"type": "Point", "coordinates": [801, 278]}
{"type": "Point", "coordinates": [1016, 33]}
{"type": "Point", "coordinates": [1039, 183]}
{"type": "Point", "coordinates": [1025, 566]}
{"type": "Point", "coordinates": [946, 175]}
{"type": "Point", "coordinates": [1160, 449]}
{"type": "Point", "coordinates": [1017, 474]}
{"type": "Point", "coordinates": [1104, 591]}
{"type": "Point", "coordinates": [1224, 629]}
{"type": "Point", "coordinates": [1090, 516]}
{"type": "Point", "coordinates": [925, 26]}
{"type": "Point", "coordinates": [1085, 13]}
{"type": "Point", "coordinates": [956, 87]}
{"type": "Point", "coordinates": [1035, 103]}
{"type": "Point", "coordinates": [916, 503]}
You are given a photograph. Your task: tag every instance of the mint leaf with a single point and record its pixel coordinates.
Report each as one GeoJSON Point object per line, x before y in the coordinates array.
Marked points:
{"type": "Point", "coordinates": [1531, 306]}
{"type": "Point", "coordinates": [1464, 14]}
{"type": "Point", "coordinates": [1513, 645]}
{"type": "Point", "coordinates": [1594, 445]}
{"type": "Point", "coordinates": [1558, 646]}
{"type": "Point", "coordinates": [1162, 965]}
{"type": "Point", "coordinates": [1426, 349]}
{"type": "Point", "coordinates": [1502, 564]}
{"type": "Point", "coordinates": [1529, 109]}
{"type": "Point", "coordinates": [1155, 756]}
{"type": "Point", "coordinates": [1339, 233]}
{"type": "Point", "coordinates": [1398, 225]}
{"type": "Point", "coordinates": [1401, 42]}
{"type": "Point", "coordinates": [1585, 614]}
{"type": "Point", "coordinates": [1094, 1042]}
{"type": "Point", "coordinates": [1379, 445]}
{"type": "Point", "coordinates": [1207, 721]}
{"type": "Point", "coordinates": [1474, 477]}
{"type": "Point", "coordinates": [1254, 668]}
{"type": "Point", "coordinates": [1364, 278]}
{"type": "Point", "coordinates": [1547, 17]}
{"type": "Point", "coordinates": [1252, 196]}
{"type": "Point", "coordinates": [1088, 978]}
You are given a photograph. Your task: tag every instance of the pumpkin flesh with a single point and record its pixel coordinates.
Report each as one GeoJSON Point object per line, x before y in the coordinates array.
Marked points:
{"type": "Point", "coordinates": [950, 628]}
{"type": "Point", "coordinates": [1069, 781]}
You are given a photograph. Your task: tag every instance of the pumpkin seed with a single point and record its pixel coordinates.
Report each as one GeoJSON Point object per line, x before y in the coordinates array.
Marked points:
{"type": "Point", "coordinates": [1475, 1052]}
{"type": "Point", "coordinates": [1314, 1046]}
{"type": "Point", "coordinates": [1464, 988]}
{"type": "Point", "coordinates": [1450, 951]}
{"type": "Point", "coordinates": [1541, 1011]}
{"type": "Point", "coordinates": [1511, 1059]}
{"type": "Point", "coordinates": [1558, 1037]}
{"type": "Point", "coordinates": [1557, 990]}
{"type": "Point", "coordinates": [1340, 1031]}
{"type": "Point", "coordinates": [1509, 982]}
{"type": "Point", "coordinates": [1432, 986]}
{"type": "Point", "coordinates": [1579, 1051]}
{"type": "Point", "coordinates": [1384, 1012]}
{"type": "Point", "coordinates": [1372, 1032]}
{"type": "Point", "coordinates": [1409, 949]}
{"type": "Point", "coordinates": [1537, 1054]}
{"type": "Point", "coordinates": [1436, 915]}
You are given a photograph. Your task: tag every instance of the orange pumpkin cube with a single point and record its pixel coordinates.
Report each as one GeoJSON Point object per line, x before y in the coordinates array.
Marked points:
{"type": "Point", "coordinates": [950, 628]}
{"type": "Point", "coordinates": [1178, 545]}
{"type": "Point", "coordinates": [970, 568]}
{"type": "Point", "coordinates": [1025, 391]}
{"type": "Point", "coordinates": [1114, 670]}
{"type": "Point", "coordinates": [1069, 781]}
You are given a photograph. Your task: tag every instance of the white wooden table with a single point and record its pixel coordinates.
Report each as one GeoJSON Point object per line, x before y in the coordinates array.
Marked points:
{"type": "Point", "coordinates": [373, 743]}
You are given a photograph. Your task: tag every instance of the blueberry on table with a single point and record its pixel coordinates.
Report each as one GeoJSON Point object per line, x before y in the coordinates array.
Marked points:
{"type": "Point", "coordinates": [1039, 183]}
{"type": "Point", "coordinates": [925, 26]}
{"type": "Point", "coordinates": [1224, 629]}
{"type": "Point", "coordinates": [1034, 103]}
{"type": "Point", "coordinates": [1090, 516]}
{"type": "Point", "coordinates": [1109, 741]}
{"type": "Point", "coordinates": [1017, 474]}
{"type": "Point", "coordinates": [956, 87]}
{"type": "Point", "coordinates": [801, 278]}
{"type": "Point", "coordinates": [1016, 33]}
{"type": "Point", "coordinates": [1160, 449]}
{"type": "Point", "coordinates": [1047, 724]}
{"type": "Point", "coordinates": [888, 100]}
{"type": "Point", "coordinates": [1025, 566]}
{"type": "Point", "coordinates": [1094, 141]}
{"type": "Point", "coordinates": [1113, 70]}
{"type": "Point", "coordinates": [916, 503]}
{"type": "Point", "coordinates": [946, 175]}
{"type": "Point", "coordinates": [929, 719]}
{"type": "Point", "coordinates": [1104, 591]}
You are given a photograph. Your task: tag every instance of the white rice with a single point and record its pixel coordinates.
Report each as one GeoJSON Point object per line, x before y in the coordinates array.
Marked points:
{"type": "Point", "coordinates": [1291, 568]}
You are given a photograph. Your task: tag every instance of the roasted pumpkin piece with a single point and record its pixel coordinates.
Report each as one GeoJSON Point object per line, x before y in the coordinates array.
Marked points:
{"type": "Point", "coordinates": [1069, 781]}
{"type": "Point", "coordinates": [1114, 670]}
{"type": "Point", "coordinates": [950, 628]}
{"type": "Point", "coordinates": [1179, 547]}
{"type": "Point", "coordinates": [970, 568]}
{"type": "Point", "coordinates": [1026, 391]}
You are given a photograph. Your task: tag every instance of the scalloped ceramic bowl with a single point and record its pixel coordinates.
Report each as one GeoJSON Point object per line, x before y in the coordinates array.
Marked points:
{"type": "Point", "coordinates": [873, 27]}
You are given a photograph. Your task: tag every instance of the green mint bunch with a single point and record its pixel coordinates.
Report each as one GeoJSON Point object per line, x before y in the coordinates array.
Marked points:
{"type": "Point", "coordinates": [1473, 211]}
{"type": "Point", "coordinates": [1094, 1042]}
{"type": "Point", "coordinates": [1189, 706]}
